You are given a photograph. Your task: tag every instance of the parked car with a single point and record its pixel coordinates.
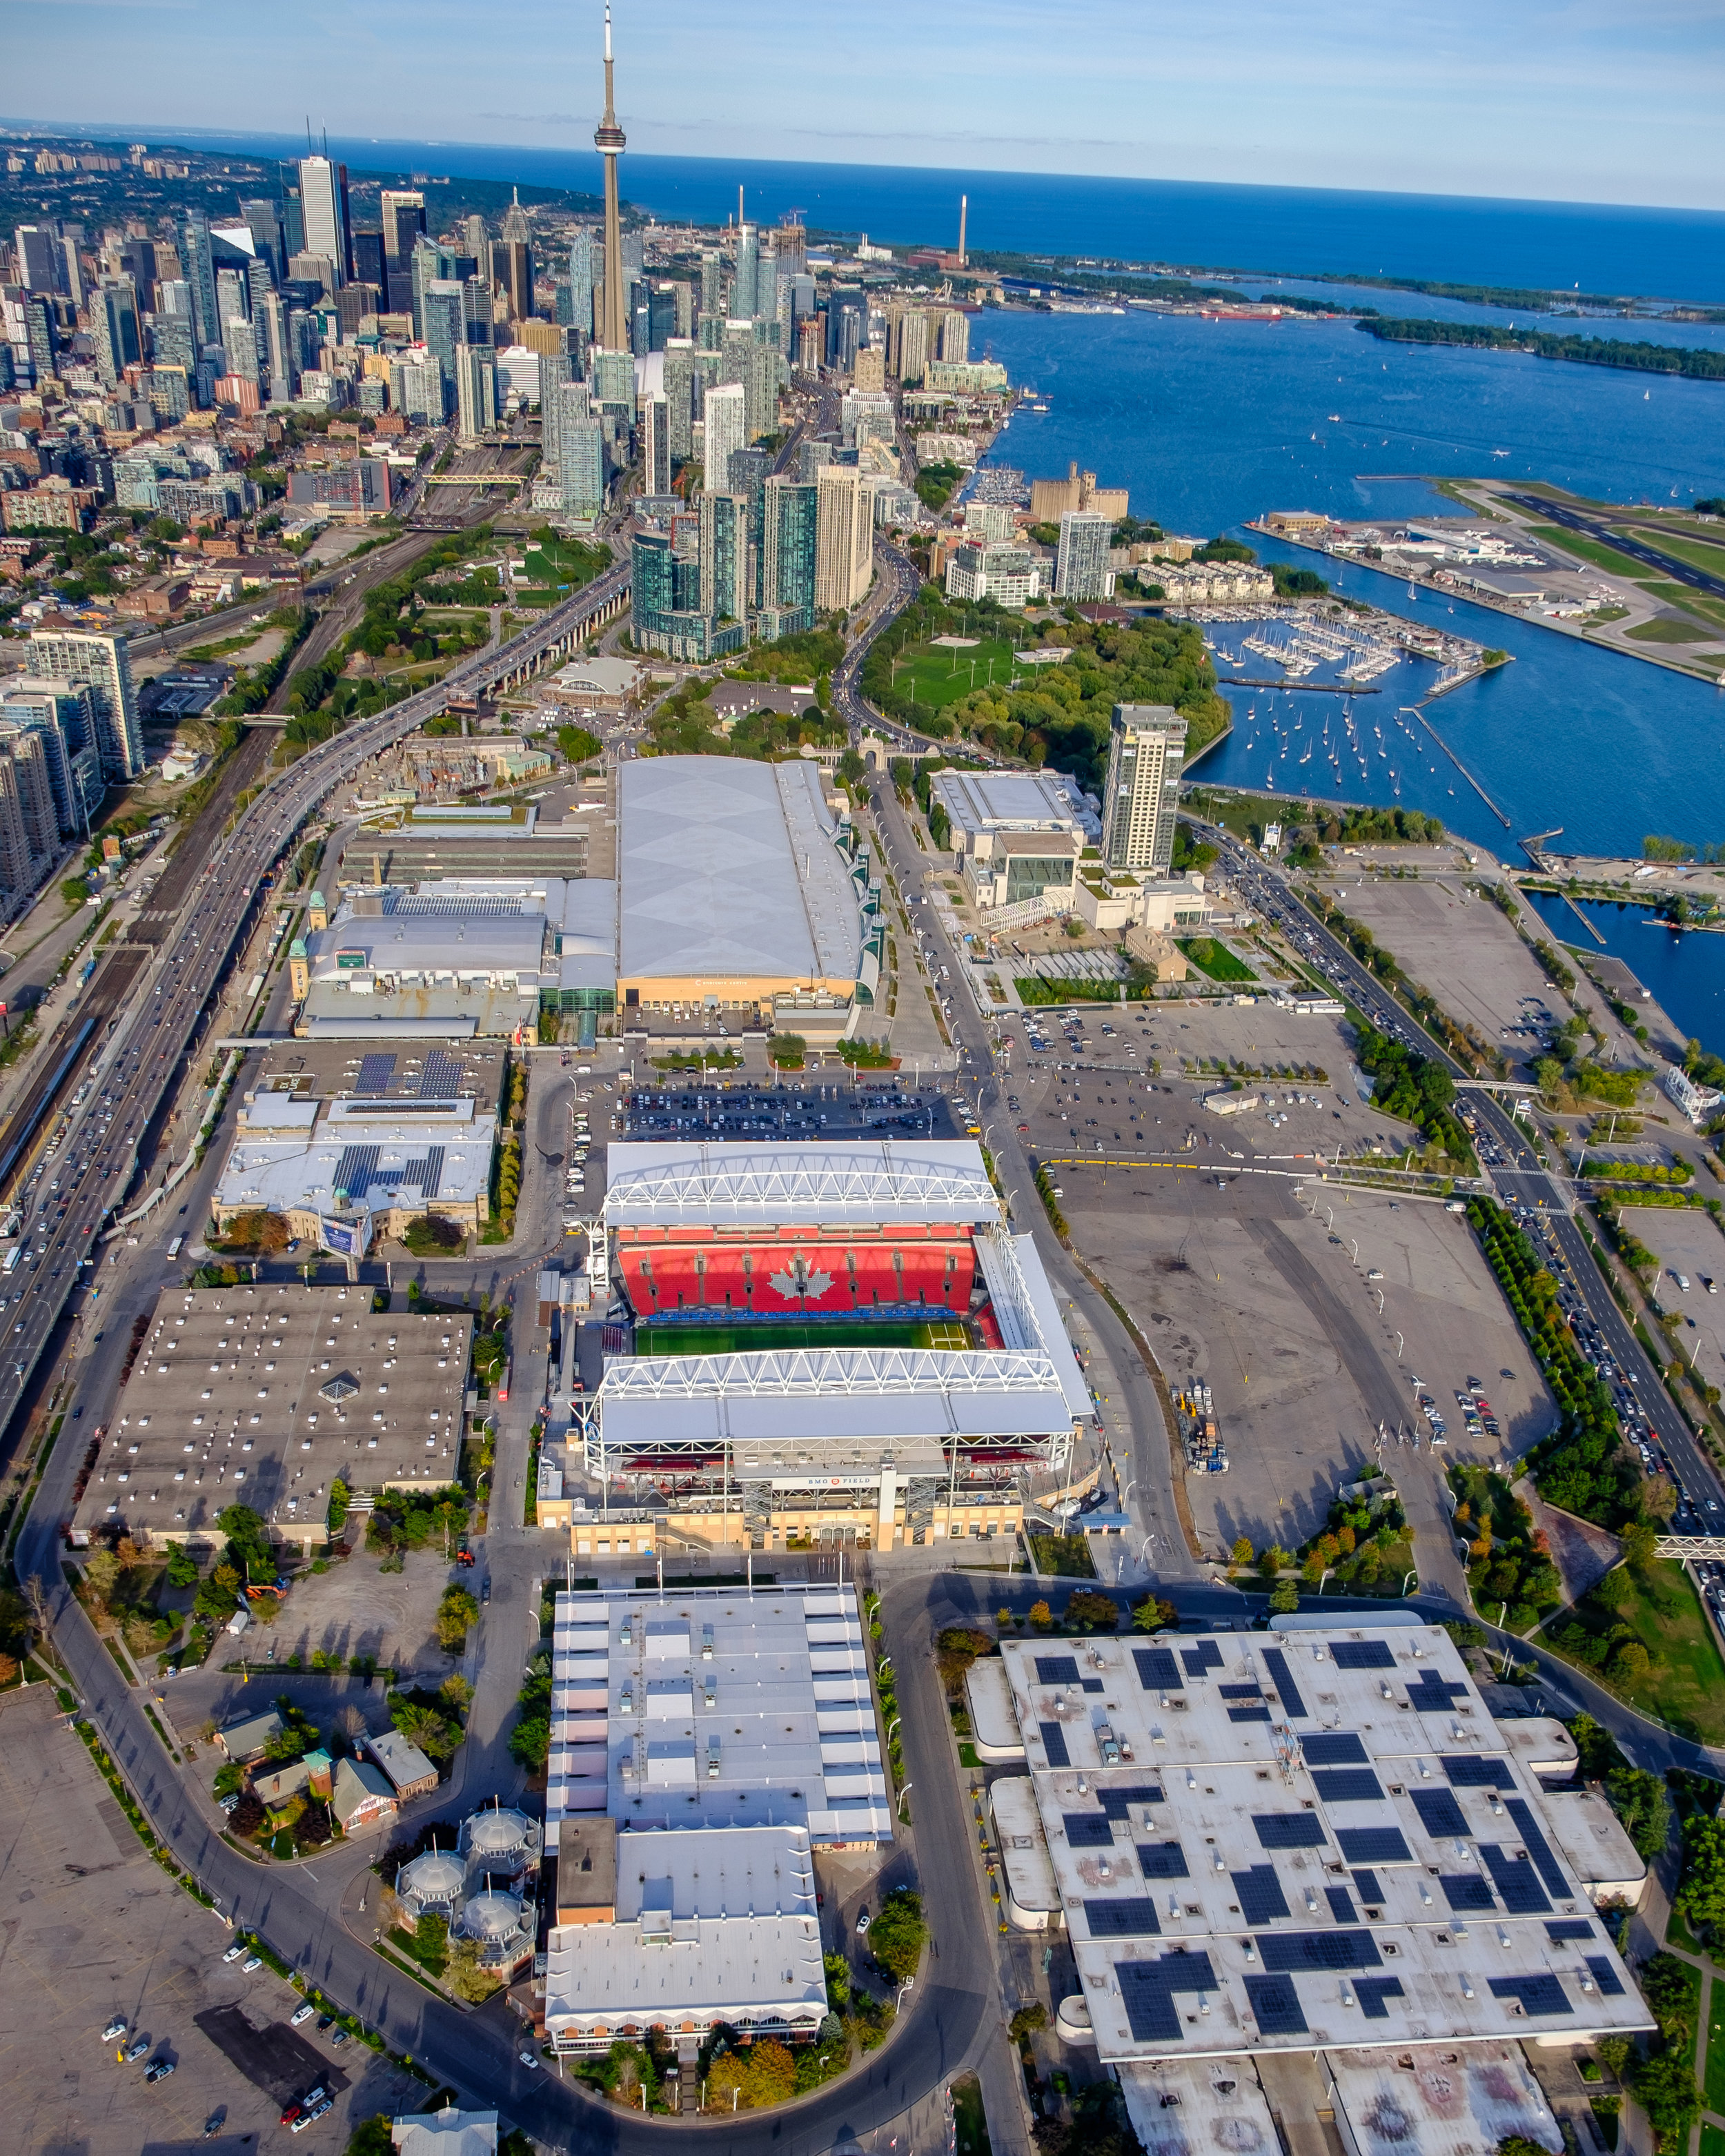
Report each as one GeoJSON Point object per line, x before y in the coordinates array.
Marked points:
{"type": "Point", "coordinates": [159, 2070]}
{"type": "Point", "coordinates": [114, 2030]}
{"type": "Point", "coordinates": [301, 2015]}
{"type": "Point", "coordinates": [237, 1950]}
{"type": "Point", "coordinates": [135, 2051]}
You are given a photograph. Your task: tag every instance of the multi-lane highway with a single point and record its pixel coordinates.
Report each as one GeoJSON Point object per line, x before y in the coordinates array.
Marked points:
{"type": "Point", "coordinates": [1513, 1171]}
{"type": "Point", "coordinates": [127, 1063]}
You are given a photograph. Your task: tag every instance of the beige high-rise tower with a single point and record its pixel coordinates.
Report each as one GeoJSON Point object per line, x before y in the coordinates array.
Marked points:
{"type": "Point", "coordinates": [608, 140]}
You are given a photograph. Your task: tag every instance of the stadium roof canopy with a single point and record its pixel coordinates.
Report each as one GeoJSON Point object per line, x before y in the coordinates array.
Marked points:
{"type": "Point", "coordinates": [827, 1183]}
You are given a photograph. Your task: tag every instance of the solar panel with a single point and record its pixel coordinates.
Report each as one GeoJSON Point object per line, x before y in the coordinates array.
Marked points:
{"type": "Point", "coordinates": [1569, 1927]}
{"type": "Point", "coordinates": [1609, 1983]}
{"type": "Point", "coordinates": [1368, 1889]}
{"type": "Point", "coordinates": [1115, 1802]}
{"type": "Point", "coordinates": [1333, 1748]}
{"type": "Point", "coordinates": [1148, 1990]}
{"type": "Point", "coordinates": [1249, 1714]}
{"type": "Point", "coordinates": [1439, 1813]}
{"type": "Point", "coordinates": [355, 1170]}
{"type": "Point", "coordinates": [1262, 1900]}
{"type": "Point", "coordinates": [1206, 1655]}
{"type": "Point", "coordinates": [1465, 1892]}
{"type": "Point", "coordinates": [1124, 1917]}
{"type": "Point", "coordinates": [1156, 1669]}
{"type": "Point", "coordinates": [1361, 1655]}
{"type": "Point", "coordinates": [1433, 1694]}
{"type": "Point", "coordinates": [1467, 1773]}
{"type": "Point", "coordinates": [1341, 1904]}
{"type": "Point", "coordinates": [1057, 1669]}
{"type": "Point", "coordinates": [1320, 1950]}
{"type": "Point", "coordinates": [1288, 1829]}
{"type": "Point", "coordinates": [1374, 1845]}
{"type": "Point", "coordinates": [1237, 1690]}
{"type": "Point", "coordinates": [1538, 1848]}
{"type": "Point", "coordinates": [1054, 1744]}
{"type": "Point", "coordinates": [375, 1073]}
{"type": "Point", "coordinates": [1275, 2006]}
{"type": "Point", "coordinates": [1517, 1882]}
{"type": "Point", "coordinates": [441, 1078]}
{"type": "Point", "coordinates": [1087, 1830]}
{"type": "Point", "coordinates": [1537, 1994]}
{"type": "Point", "coordinates": [433, 1171]}
{"type": "Point", "coordinates": [1346, 1785]}
{"type": "Point", "coordinates": [1276, 1662]}
{"type": "Point", "coordinates": [1163, 1860]}
{"type": "Point", "coordinates": [1374, 1993]}
{"type": "Point", "coordinates": [1091, 1684]}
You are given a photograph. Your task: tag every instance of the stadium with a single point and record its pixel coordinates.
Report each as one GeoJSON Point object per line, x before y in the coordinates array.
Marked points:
{"type": "Point", "coordinates": [839, 1341]}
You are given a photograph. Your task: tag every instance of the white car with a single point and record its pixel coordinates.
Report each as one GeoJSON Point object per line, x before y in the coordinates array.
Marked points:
{"type": "Point", "coordinates": [235, 1951]}
{"type": "Point", "coordinates": [529, 2058]}
{"type": "Point", "coordinates": [301, 2013]}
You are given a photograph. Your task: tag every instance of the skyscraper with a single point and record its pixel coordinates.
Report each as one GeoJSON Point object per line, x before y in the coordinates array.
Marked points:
{"type": "Point", "coordinates": [608, 140]}
{"type": "Point", "coordinates": [680, 397]}
{"type": "Point", "coordinates": [40, 267]}
{"type": "Point", "coordinates": [1081, 570]}
{"type": "Point", "coordinates": [119, 334]}
{"type": "Point", "coordinates": [443, 303]}
{"type": "Point", "coordinates": [64, 714]}
{"type": "Point", "coordinates": [724, 557]}
{"type": "Point", "coordinates": [788, 553]}
{"type": "Point", "coordinates": [726, 429]}
{"type": "Point", "coordinates": [265, 221]}
{"type": "Point", "coordinates": [1147, 753]}
{"type": "Point", "coordinates": [196, 262]}
{"type": "Point", "coordinates": [475, 391]}
{"type": "Point", "coordinates": [323, 199]}
{"type": "Point", "coordinates": [955, 335]}
{"type": "Point", "coordinates": [743, 290]}
{"type": "Point", "coordinates": [844, 538]}
{"type": "Point", "coordinates": [106, 664]}
{"type": "Point", "coordinates": [656, 446]}
{"type": "Point", "coordinates": [586, 270]}
{"type": "Point", "coordinates": [29, 832]}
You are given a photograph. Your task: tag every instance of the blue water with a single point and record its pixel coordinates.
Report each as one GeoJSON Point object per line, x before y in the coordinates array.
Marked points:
{"type": "Point", "coordinates": [1684, 971]}
{"type": "Point", "coordinates": [1673, 254]}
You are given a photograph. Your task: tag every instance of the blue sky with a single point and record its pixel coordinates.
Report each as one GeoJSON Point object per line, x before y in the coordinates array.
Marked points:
{"type": "Point", "coordinates": [1592, 100]}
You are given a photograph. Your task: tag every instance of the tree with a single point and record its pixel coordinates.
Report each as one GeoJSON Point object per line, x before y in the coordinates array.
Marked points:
{"type": "Point", "coordinates": [424, 1725]}
{"type": "Point", "coordinates": [1154, 1614]}
{"type": "Point", "coordinates": [1639, 1538]}
{"type": "Point", "coordinates": [101, 1574]}
{"type": "Point", "coordinates": [1670, 1987]}
{"type": "Point", "coordinates": [1284, 1599]}
{"type": "Point", "coordinates": [1639, 1801]}
{"type": "Point", "coordinates": [1701, 1892]}
{"type": "Point", "coordinates": [375, 2138]}
{"type": "Point", "coordinates": [182, 1568]}
{"type": "Point", "coordinates": [1665, 2088]}
{"type": "Point", "coordinates": [1241, 1553]}
{"type": "Point", "coordinates": [770, 2075]}
{"type": "Point", "coordinates": [75, 890]}
{"type": "Point", "coordinates": [464, 1976]}
{"type": "Point", "coordinates": [456, 1691]}
{"type": "Point", "coordinates": [838, 1975]}
{"type": "Point", "coordinates": [726, 2075]}
{"type": "Point", "coordinates": [1271, 1561]}
{"type": "Point", "coordinates": [456, 1614]}
{"type": "Point", "coordinates": [529, 1742]}
{"type": "Point", "coordinates": [1087, 1611]}
{"type": "Point", "coordinates": [898, 1934]}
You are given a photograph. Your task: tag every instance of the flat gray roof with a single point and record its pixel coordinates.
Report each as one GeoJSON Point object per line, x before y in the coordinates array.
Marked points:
{"type": "Point", "coordinates": [729, 868]}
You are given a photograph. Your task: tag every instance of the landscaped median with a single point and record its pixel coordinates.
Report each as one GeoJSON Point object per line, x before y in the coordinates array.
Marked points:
{"type": "Point", "coordinates": [1642, 1633]}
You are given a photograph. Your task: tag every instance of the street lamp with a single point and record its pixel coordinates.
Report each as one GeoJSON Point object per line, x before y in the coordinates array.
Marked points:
{"type": "Point", "coordinates": [902, 1795]}
{"type": "Point", "coordinates": [1406, 1577]}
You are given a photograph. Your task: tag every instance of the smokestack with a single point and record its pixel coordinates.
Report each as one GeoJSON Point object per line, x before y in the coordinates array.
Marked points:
{"type": "Point", "coordinates": [963, 211]}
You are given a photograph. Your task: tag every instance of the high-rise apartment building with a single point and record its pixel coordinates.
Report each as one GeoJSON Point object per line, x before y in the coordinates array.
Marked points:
{"type": "Point", "coordinates": [844, 538]}
{"type": "Point", "coordinates": [907, 349]}
{"type": "Point", "coordinates": [955, 335]}
{"type": "Point", "coordinates": [103, 662]}
{"type": "Point", "coordinates": [724, 557]}
{"type": "Point", "coordinates": [1081, 570]}
{"type": "Point", "coordinates": [789, 510]}
{"type": "Point", "coordinates": [725, 413]}
{"type": "Point", "coordinates": [40, 265]}
{"type": "Point", "coordinates": [64, 714]}
{"type": "Point", "coordinates": [655, 444]}
{"type": "Point", "coordinates": [196, 263]}
{"type": "Point", "coordinates": [402, 213]}
{"type": "Point", "coordinates": [444, 303]}
{"type": "Point", "coordinates": [29, 832]}
{"type": "Point", "coordinates": [475, 391]}
{"type": "Point", "coordinates": [263, 221]}
{"type": "Point", "coordinates": [323, 205]}
{"type": "Point", "coordinates": [870, 372]}
{"type": "Point", "coordinates": [743, 284]}
{"type": "Point", "coordinates": [1146, 753]}
{"type": "Point", "coordinates": [117, 329]}
{"type": "Point", "coordinates": [586, 271]}
{"type": "Point", "coordinates": [680, 397]}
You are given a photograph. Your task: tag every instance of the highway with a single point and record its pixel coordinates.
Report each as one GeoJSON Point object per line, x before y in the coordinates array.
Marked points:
{"type": "Point", "coordinates": [1621, 542]}
{"type": "Point", "coordinates": [132, 1058]}
{"type": "Point", "coordinates": [1510, 1167]}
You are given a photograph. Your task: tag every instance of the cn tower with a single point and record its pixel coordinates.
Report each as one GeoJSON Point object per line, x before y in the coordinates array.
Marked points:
{"type": "Point", "coordinates": [608, 140]}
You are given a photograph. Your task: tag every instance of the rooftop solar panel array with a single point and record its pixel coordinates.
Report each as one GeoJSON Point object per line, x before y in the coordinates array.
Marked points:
{"type": "Point", "coordinates": [1362, 1655]}
{"type": "Point", "coordinates": [1432, 1694]}
{"type": "Point", "coordinates": [1148, 1990]}
{"type": "Point", "coordinates": [1334, 1747]}
{"type": "Point", "coordinates": [1346, 1785]}
{"type": "Point", "coordinates": [1057, 1669]}
{"type": "Point", "coordinates": [1539, 1849]}
{"type": "Point", "coordinates": [1341, 1904]}
{"type": "Point", "coordinates": [1262, 1900]}
{"type": "Point", "coordinates": [1275, 2006]}
{"type": "Point", "coordinates": [1535, 1994]}
{"type": "Point", "coordinates": [355, 1170]}
{"type": "Point", "coordinates": [1465, 1771]}
{"type": "Point", "coordinates": [1318, 1950]}
{"type": "Point", "coordinates": [375, 1073]}
{"type": "Point", "coordinates": [441, 1078]}
{"type": "Point", "coordinates": [1439, 1813]}
{"type": "Point", "coordinates": [1157, 1669]}
{"type": "Point", "coordinates": [1517, 1882]}
{"type": "Point", "coordinates": [1569, 1927]}
{"type": "Point", "coordinates": [1369, 1891]}
{"type": "Point", "coordinates": [1236, 1691]}
{"type": "Point", "coordinates": [1374, 1993]}
{"type": "Point", "coordinates": [1276, 1662]}
{"type": "Point", "coordinates": [1288, 1829]}
{"type": "Point", "coordinates": [1465, 1892]}
{"type": "Point", "coordinates": [1163, 1860]}
{"type": "Point", "coordinates": [1206, 1655]}
{"type": "Point", "coordinates": [1087, 1830]}
{"type": "Point", "coordinates": [1609, 1983]}
{"type": "Point", "coordinates": [1374, 1845]}
{"type": "Point", "coordinates": [1249, 1714]}
{"type": "Point", "coordinates": [1116, 1802]}
{"type": "Point", "coordinates": [1054, 1744]}
{"type": "Point", "coordinates": [1123, 1916]}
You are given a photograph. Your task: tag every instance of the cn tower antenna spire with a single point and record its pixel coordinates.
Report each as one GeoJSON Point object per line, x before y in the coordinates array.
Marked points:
{"type": "Point", "coordinates": [610, 141]}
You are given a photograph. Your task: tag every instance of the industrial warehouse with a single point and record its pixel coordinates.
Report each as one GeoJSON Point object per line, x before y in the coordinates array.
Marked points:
{"type": "Point", "coordinates": [835, 1341]}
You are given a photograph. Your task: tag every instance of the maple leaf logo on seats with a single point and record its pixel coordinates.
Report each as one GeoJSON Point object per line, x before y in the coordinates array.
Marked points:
{"type": "Point", "coordinates": [801, 1281]}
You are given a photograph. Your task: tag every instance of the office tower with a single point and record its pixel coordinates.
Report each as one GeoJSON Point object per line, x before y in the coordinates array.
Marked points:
{"type": "Point", "coordinates": [478, 312]}
{"type": "Point", "coordinates": [810, 345]}
{"type": "Point", "coordinates": [475, 391]}
{"type": "Point", "coordinates": [512, 266]}
{"type": "Point", "coordinates": [198, 268]}
{"type": "Point", "coordinates": [742, 289]}
{"type": "Point", "coordinates": [680, 396]}
{"type": "Point", "coordinates": [117, 329]}
{"type": "Point", "coordinates": [171, 341]}
{"type": "Point", "coordinates": [955, 335]}
{"type": "Point", "coordinates": [29, 834]}
{"type": "Point", "coordinates": [64, 714]}
{"type": "Point", "coordinates": [263, 221]}
{"type": "Point", "coordinates": [656, 446]}
{"type": "Point", "coordinates": [608, 140]}
{"type": "Point", "coordinates": [106, 664]}
{"type": "Point", "coordinates": [293, 217]}
{"type": "Point", "coordinates": [661, 314]}
{"type": "Point", "coordinates": [318, 269]}
{"type": "Point", "coordinates": [1147, 753]}
{"type": "Point", "coordinates": [790, 512]}
{"type": "Point", "coordinates": [369, 264]}
{"type": "Point", "coordinates": [907, 353]}
{"type": "Point", "coordinates": [1081, 570]}
{"type": "Point", "coordinates": [613, 384]}
{"type": "Point", "coordinates": [425, 262]}
{"type": "Point", "coordinates": [586, 272]}
{"type": "Point", "coordinates": [724, 557]}
{"type": "Point", "coordinates": [136, 259]}
{"type": "Point", "coordinates": [847, 319]}
{"type": "Point", "coordinates": [75, 285]}
{"type": "Point", "coordinates": [870, 371]}
{"type": "Point", "coordinates": [353, 303]}
{"type": "Point", "coordinates": [712, 284]}
{"type": "Point", "coordinates": [444, 304]}
{"type": "Point", "coordinates": [683, 308]}
{"type": "Point", "coordinates": [844, 538]}
{"type": "Point", "coordinates": [725, 411]}
{"type": "Point", "coordinates": [323, 199]}
{"type": "Point", "coordinates": [40, 265]}
{"type": "Point", "coordinates": [403, 213]}
{"type": "Point", "coordinates": [269, 317]}
{"type": "Point", "coordinates": [416, 387]}
{"type": "Point", "coordinates": [233, 297]}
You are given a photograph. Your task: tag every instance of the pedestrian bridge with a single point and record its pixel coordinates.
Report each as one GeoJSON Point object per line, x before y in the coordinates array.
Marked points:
{"type": "Point", "coordinates": [1709, 1547]}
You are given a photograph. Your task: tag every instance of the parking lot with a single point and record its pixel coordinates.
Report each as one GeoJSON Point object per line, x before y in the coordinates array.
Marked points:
{"type": "Point", "coordinates": [100, 1933]}
{"type": "Point", "coordinates": [1689, 1247]}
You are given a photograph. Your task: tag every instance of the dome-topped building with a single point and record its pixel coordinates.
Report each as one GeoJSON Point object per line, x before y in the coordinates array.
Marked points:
{"type": "Point", "coordinates": [431, 1885]}
{"type": "Point", "coordinates": [500, 1925]}
{"type": "Point", "coordinates": [501, 1839]}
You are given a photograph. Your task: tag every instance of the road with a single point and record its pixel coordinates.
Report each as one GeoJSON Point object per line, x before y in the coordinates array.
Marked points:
{"type": "Point", "coordinates": [1515, 1173]}
{"type": "Point", "coordinates": [1621, 542]}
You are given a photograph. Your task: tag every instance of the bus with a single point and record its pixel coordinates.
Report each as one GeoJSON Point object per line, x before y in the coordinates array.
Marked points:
{"type": "Point", "coordinates": [11, 1258]}
{"type": "Point", "coordinates": [175, 1247]}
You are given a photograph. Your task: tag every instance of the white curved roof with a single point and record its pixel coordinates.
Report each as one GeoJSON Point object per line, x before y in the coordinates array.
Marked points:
{"type": "Point", "coordinates": [825, 1181]}
{"type": "Point", "coordinates": [495, 1830]}
{"type": "Point", "coordinates": [491, 1915]}
{"type": "Point", "coordinates": [436, 1876]}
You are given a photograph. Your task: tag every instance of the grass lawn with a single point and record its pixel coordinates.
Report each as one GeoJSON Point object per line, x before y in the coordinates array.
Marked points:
{"type": "Point", "coordinates": [761, 1339]}
{"type": "Point", "coordinates": [565, 561]}
{"type": "Point", "coordinates": [1698, 553]}
{"type": "Point", "coordinates": [971, 2127]}
{"type": "Point", "coordinates": [1712, 2138]}
{"type": "Point", "coordinates": [1685, 1687]}
{"type": "Point", "coordinates": [1065, 1557]}
{"type": "Point", "coordinates": [1663, 630]}
{"type": "Point", "coordinates": [1714, 2081]}
{"type": "Point", "coordinates": [937, 677]}
{"type": "Point", "coordinates": [1215, 958]}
